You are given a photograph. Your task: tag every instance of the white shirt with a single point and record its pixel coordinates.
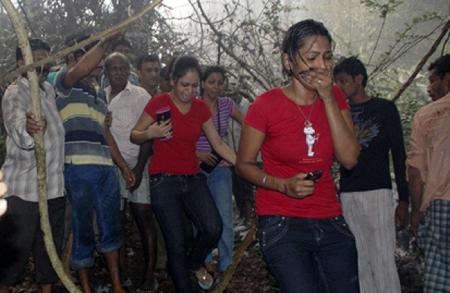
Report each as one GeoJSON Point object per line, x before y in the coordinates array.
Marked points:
{"type": "Point", "coordinates": [126, 108]}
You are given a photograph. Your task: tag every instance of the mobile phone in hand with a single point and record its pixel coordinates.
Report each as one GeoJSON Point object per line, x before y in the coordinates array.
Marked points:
{"type": "Point", "coordinates": [314, 175]}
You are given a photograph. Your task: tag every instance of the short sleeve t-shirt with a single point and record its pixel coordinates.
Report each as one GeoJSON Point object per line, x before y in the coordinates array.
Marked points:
{"type": "Point", "coordinates": [225, 107]}
{"type": "Point", "coordinates": [177, 154]}
{"type": "Point", "coordinates": [285, 153]}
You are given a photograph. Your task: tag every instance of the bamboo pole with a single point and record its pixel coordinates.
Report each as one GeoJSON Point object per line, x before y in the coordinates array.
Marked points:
{"type": "Point", "coordinates": [39, 149]}
{"type": "Point", "coordinates": [229, 273]}
{"type": "Point", "coordinates": [94, 37]}
{"type": "Point", "coordinates": [36, 109]}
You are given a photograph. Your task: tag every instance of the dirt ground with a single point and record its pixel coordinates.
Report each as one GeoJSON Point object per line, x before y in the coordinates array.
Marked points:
{"type": "Point", "coordinates": [251, 275]}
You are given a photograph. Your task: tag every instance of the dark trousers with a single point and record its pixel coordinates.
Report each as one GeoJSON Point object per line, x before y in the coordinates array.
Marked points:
{"type": "Point", "coordinates": [310, 255]}
{"type": "Point", "coordinates": [21, 235]}
{"type": "Point", "coordinates": [172, 196]}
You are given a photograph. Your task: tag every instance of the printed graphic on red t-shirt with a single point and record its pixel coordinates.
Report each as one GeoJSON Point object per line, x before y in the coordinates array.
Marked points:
{"type": "Point", "coordinates": [287, 150]}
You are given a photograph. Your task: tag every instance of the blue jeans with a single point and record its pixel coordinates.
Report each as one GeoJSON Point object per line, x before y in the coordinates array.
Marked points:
{"type": "Point", "coordinates": [220, 184]}
{"type": "Point", "coordinates": [89, 188]}
{"type": "Point", "coordinates": [172, 196]}
{"type": "Point", "coordinates": [310, 255]}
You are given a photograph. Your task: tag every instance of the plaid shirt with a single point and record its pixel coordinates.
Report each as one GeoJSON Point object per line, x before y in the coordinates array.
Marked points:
{"type": "Point", "coordinates": [19, 168]}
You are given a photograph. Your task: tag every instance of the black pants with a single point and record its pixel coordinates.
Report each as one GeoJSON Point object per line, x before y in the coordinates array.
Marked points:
{"type": "Point", "coordinates": [20, 235]}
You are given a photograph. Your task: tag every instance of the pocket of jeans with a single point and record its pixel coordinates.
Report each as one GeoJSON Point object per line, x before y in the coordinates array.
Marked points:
{"type": "Point", "coordinates": [156, 180]}
{"type": "Point", "coordinates": [341, 226]}
{"type": "Point", "coordinates": [271, 230]}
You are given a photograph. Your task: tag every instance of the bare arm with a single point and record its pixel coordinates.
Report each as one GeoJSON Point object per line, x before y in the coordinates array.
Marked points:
{"type": "Point", "coordinates": [345, 144]}
{"type": "Point", "coordinates": [416, 187]}
{"type": "Point", "coordinates": [88, 62]}
{"type": "Point", "coordinates": [250, 145]}
{"type": "Point", "coordinates": [217, 143]}
{"type": "Point", "coordinates": [117, 157]}
{"type": "Point", "coordinates": [237, 115]}
{"type": "Point", "coordinates": [146, 129]}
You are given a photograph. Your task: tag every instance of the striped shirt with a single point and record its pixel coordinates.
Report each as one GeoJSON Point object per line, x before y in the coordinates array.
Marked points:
{"type": "Point", "coordinates": [19, 168]}
{"type": "Point", "coordinates": [126, 108]}
{"type": "Point", "coordinates": [221, 118]}
{"type": "Point", "coordinates": [82, 111]}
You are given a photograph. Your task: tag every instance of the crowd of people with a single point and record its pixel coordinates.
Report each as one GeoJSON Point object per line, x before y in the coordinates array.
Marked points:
{"type": "Point", "coordinates": [173, 154]}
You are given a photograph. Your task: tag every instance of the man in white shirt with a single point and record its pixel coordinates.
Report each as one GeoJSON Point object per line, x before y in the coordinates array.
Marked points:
{"type": "Point", "coordinates": [126, 103]}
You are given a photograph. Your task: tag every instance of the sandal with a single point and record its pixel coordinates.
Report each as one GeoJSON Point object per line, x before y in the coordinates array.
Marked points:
{"type": "Point", "coordinates": [204, 279]}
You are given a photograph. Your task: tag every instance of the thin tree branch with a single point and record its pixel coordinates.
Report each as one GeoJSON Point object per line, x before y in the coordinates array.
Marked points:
{"type": "Point", "coordinates": [39, 149]}
{"type": "Point", "coordinates": [228, 274]}
{"type": "Point", "coordinates": [30, 27]}
{"type": "Point", "coordinates": [422, 62]}
{"type": "Point", "coordinates": [229, 51]}
{"type": "Point", "coordinates": [378, 39]}
{"type": "Point", "coordinates": [94, 37]}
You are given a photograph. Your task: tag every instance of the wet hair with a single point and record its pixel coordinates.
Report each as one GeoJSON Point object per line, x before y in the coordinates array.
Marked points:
{"type": "Point", "coordinates": [440, 66]}
{"type": "Point", "coordinates": [147, 58]}
{"type": "Point", "coordinates": [353, 67]}
{"type": "Point", "coordinates": [184, 64]}
{"type": "Point", "coordinates": [213, 69]}
{"type": "Point", "coordinates": [120, 42]}
{"type": "Point", "coordinates": [35, 44]}
{"type": "Point", "coordinates": [295, 38]}
{"type": "Point", "coordinates": [76, 38]}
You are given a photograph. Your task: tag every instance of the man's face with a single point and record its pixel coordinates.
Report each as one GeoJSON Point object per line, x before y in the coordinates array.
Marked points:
{"type": "Point", "coordinates": [149, 73]}
{"type": "Point", "coordinates": [347, 83]}
{"type": "Point", "coordinates": [438, 86]}
{"type": "Point", "coordinates": [117, 71]}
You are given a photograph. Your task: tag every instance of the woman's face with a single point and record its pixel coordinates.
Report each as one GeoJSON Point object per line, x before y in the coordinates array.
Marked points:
{"type": "Point", "coordinates": [214, 85]}
{"type": "Point", "coordinates": [186, 87]}
{"type": "Point", "coordinates": [315, 54]}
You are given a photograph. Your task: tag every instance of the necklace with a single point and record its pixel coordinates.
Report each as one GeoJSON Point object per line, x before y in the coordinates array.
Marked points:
{"type": "Point", "coordinates": [310, 133]}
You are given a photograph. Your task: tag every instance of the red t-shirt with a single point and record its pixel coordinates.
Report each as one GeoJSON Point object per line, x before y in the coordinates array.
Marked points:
{"type": "Point", "coordinates": [285, 153]}
{"type": "Point", "coordinates": [177, 154]}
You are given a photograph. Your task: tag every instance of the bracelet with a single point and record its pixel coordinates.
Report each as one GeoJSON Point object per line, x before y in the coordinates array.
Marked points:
{"type": "Point", "coordinates": [264, 180]}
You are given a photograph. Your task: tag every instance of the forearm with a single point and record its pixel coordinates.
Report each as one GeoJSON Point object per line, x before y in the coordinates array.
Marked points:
{"type": "Point", "coordinates": [416, 187]}
{"type": "Point", "coordinates": [145, 151]}
{"type": "Point", "coordinates": [345, 144]}
{"type": "Point", "coordinates": [225, 152]}
{"type": "Point", "coordinates": [139, 136]}
{"type": "Point", "coordinates": [252, 173]}
{"type": "Point", "coordinates": [115, 152]}
{"type": "Point", "coordinates": [85, 65]}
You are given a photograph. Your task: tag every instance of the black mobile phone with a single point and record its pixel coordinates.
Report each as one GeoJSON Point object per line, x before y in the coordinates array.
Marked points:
{"type": "Point", "coordinates": [314, 175]}
{"type": "Point", "coordinates": [162, 116]}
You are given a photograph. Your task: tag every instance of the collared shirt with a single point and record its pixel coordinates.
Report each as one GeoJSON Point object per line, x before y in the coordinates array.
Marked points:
{"type": "Point", "coordinates": [20, 163]}
{"type": "Point", "coordinates": [126, 108]}
{"type": "Point", "coordinates": [82, 110]}
{"type": "Point", "coordinates": [429, 150]}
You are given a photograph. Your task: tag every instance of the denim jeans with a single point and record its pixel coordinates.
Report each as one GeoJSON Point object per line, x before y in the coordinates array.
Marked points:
{"type": "Point", "coordinates": [89, 188]}
{"type": "Point", "coordinates": [172, 196]}
{"type": "Point", "coordinates": [309, 255]}
{"type": "Point", "coordinates": [220, 184]}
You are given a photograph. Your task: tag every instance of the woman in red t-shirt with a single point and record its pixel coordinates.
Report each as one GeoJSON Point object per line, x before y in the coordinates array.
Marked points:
{"type": "Point", "coordinates": [174, 121]}
{"type": "Point", "coordinates": [300, 128]}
